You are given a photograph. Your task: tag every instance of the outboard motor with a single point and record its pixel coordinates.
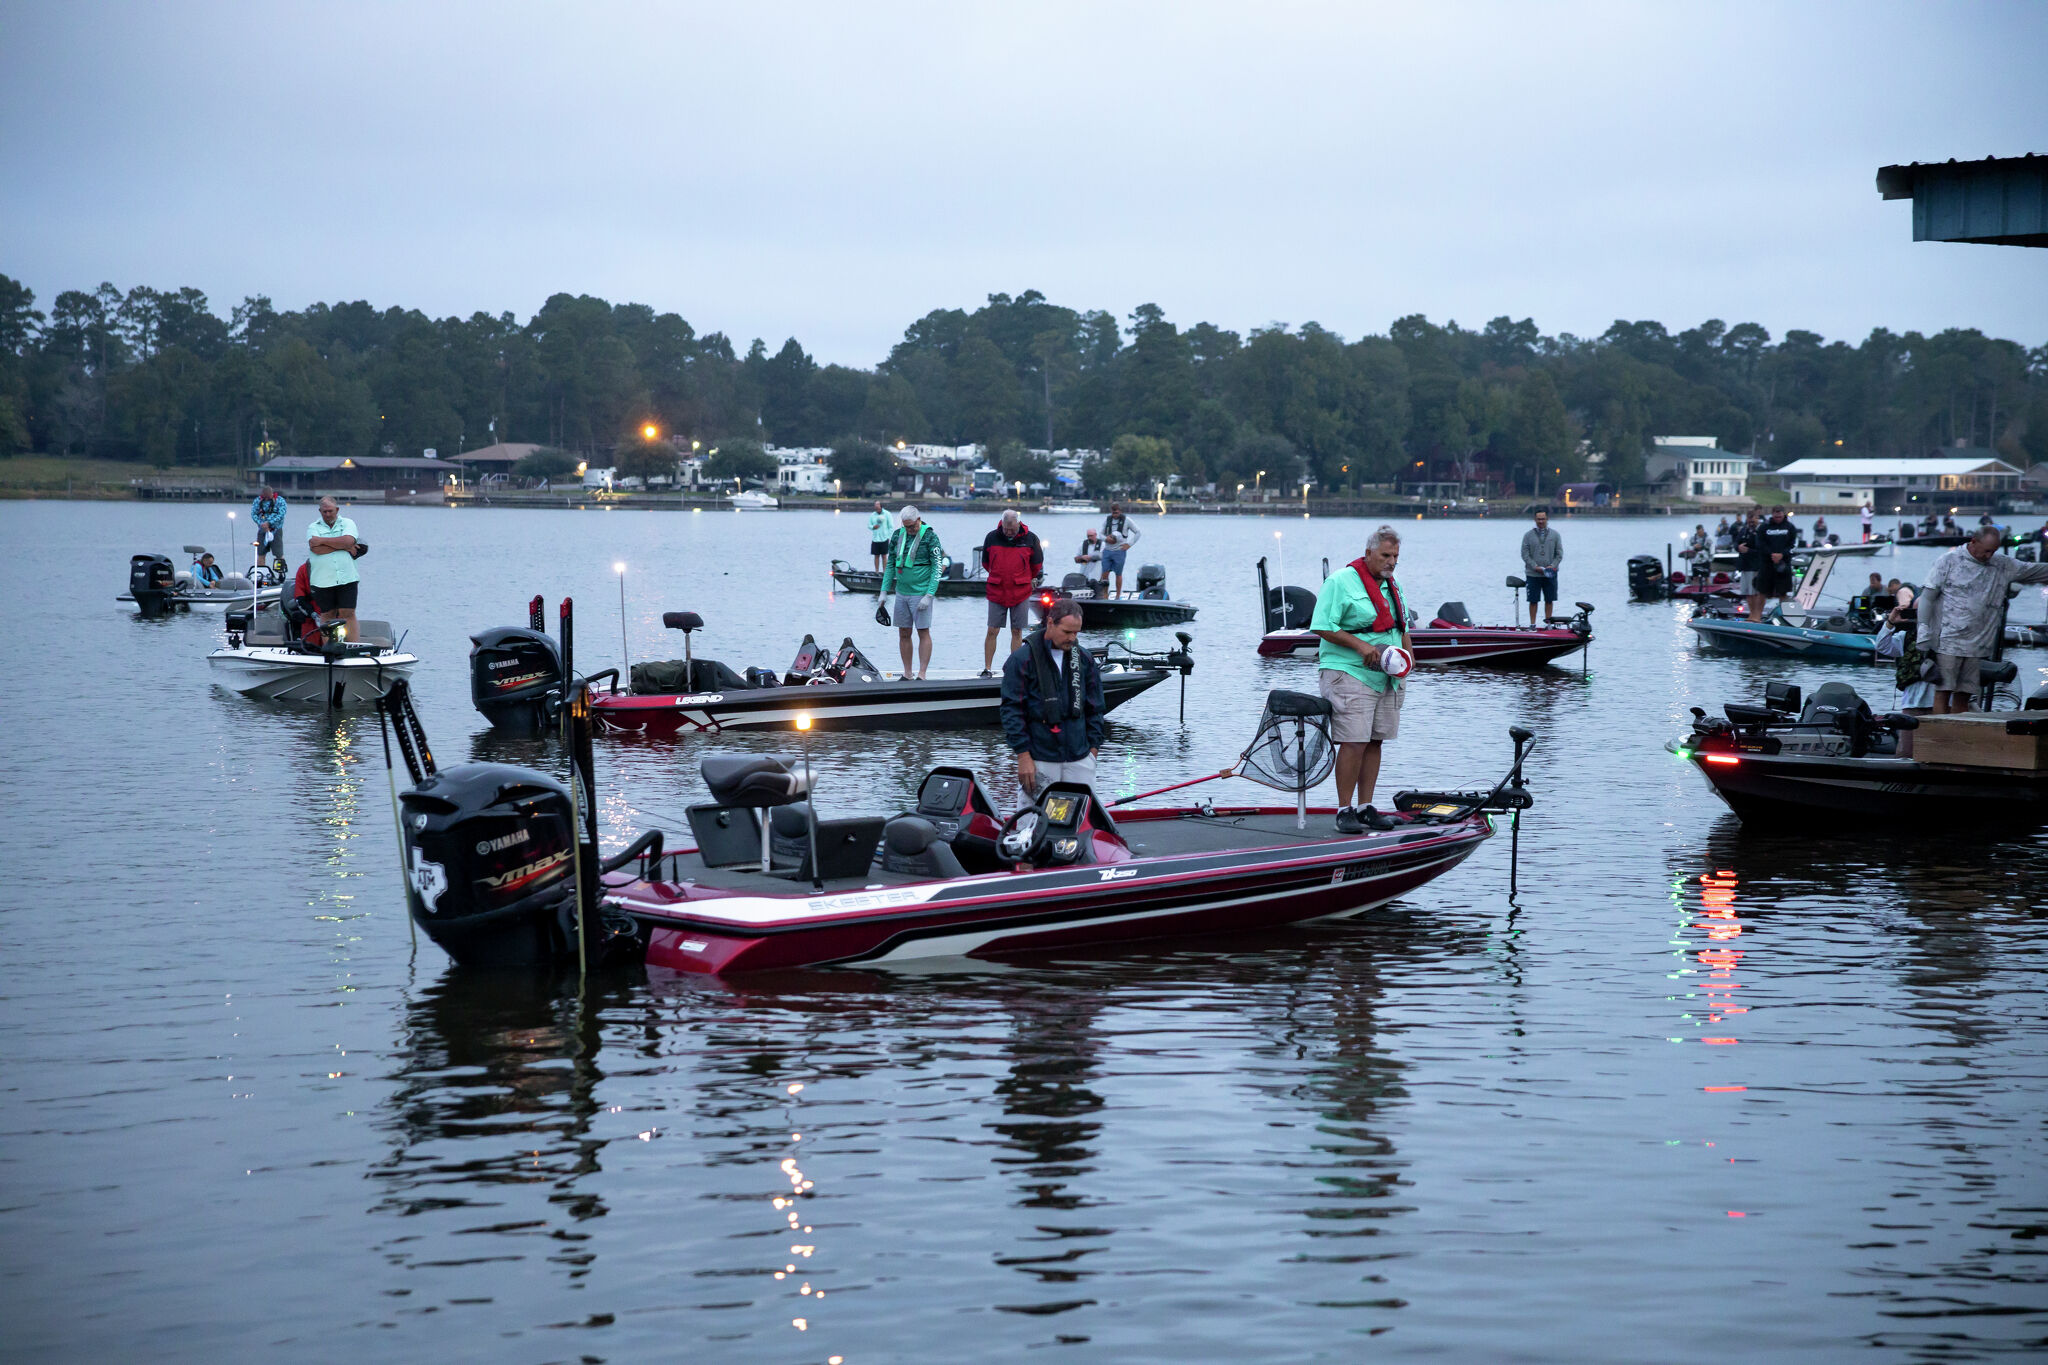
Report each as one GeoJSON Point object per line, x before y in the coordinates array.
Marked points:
{"type": "Point", "coordinates": [514, 672]}
{"type": "Point", "coordinates": [490, 852]}
{"type": "Point", "coordinates": [1152, 580]}
{"type": "Point", "coordinates": [1646, 582]}
{"type": "Point", "coordinates": [151, 580]}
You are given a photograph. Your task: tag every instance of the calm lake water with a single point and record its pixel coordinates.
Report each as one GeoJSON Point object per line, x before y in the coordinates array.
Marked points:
{"type": "Point", "coordinates": [1695, 1094]}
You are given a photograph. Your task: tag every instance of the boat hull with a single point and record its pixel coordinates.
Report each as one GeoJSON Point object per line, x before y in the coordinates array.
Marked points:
{"type": "Point", "coordinates": [1010, 913]}
{"type": "Point", "coordinates": [1791, 792]}
{"type": "Point", "coordinates": [1490, 646]}
{"type": "Point", "coordinates": [953, 704]}
{"type": "Point", "coordinates": [212, 600]}
{"type": "Point", "coordinates": [868, 581]}
{"type": "Point", "coordinates": [1764, 639]}
{"type": "Point", "coordinates": [280, 675]}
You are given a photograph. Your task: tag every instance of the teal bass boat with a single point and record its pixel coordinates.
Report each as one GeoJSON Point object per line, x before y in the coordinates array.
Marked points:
{"type": "Point", "coordinates": [1832, 637]}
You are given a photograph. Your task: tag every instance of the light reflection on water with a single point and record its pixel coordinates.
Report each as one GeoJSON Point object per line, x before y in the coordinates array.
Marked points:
{"type": "Point", "coordinates": [241, 1109]}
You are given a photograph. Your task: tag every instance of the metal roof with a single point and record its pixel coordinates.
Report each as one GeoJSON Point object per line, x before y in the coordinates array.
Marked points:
{"type": "Point", "coordinates": [2002, 201]}
{"type": "Point", "coordinates": [1916, 468]}
{"type": "Point", "coordinates": [321, 464]}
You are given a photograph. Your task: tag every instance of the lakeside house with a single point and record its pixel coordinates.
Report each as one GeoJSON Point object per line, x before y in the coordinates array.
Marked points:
{"type": "Point", "coordinates": [356, 474]}
{"type": "Point", "coordinates": [1696, 469]}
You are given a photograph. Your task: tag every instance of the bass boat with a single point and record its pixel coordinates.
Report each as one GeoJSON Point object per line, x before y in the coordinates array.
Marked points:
{"type": "Point", "coordinates": [265, 657]}
{"type": "Point", "coordinates": [1830, 761]}
{"type": "Point", "coordinates": [1148, 604]}
{"type": "Point", "coordinates": [504, 868]}
{"type": "Point", "coordinates": [157, 589]}
{"type": "Point", "coordinates": [519, 676]}
{"type": "Point", "coordinates": [955, 581]}
{"type": "Point", "coordinates": [1847, 637]}
{"type": "Point", "coordinates": [1449, 638]}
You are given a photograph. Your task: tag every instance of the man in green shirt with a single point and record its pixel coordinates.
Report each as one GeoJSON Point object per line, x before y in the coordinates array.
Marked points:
{"type": "Point", "coordinates": [878, 535]}
{"type": "Point", "coordinates": [1360, 611]}
{"type": "Point", "coordinates": [911, 572]}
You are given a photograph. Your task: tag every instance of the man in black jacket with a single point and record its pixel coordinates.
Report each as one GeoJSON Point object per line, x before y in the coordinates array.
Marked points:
{"type": "Point", "coordinates": [1775, 541]}
{"type": "Point", "coordinates": [1052, 702]}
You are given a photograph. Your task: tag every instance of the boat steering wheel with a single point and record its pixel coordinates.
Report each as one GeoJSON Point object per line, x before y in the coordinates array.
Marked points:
{"type": "Point", "coordinates": [1023, 837]}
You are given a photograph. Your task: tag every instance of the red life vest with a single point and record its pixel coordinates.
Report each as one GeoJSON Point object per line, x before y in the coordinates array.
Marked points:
{"type": "Point", "coordinates": [1389, 618]}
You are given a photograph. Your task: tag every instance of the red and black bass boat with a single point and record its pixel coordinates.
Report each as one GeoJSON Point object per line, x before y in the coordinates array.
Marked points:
{"type": "Point", "coordinates": [504, 867]}
{"type": "Point", "coordinates": [1450, 638]}
{"type": "Point", "coordinates": [519, 676]}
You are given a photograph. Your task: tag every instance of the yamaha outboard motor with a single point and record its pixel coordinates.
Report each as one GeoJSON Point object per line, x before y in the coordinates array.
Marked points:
{"type": "Point", "coordinates": [1646, 582]}
{"type": "Point", "coordinates": [490, 852]}
{"type": "Point", "coordinates": [1152, 580]}
{"type": "Point", "coordinates": [151, 580]}
{"type": "Point", "coordinates": [514, 672]}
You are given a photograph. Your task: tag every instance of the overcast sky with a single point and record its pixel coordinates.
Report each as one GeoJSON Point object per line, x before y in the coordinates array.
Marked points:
{"type": "Point", "coordinates": [834, 171]}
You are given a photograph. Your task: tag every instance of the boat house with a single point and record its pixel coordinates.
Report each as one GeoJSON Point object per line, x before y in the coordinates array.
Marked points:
{"type": "Point", "coordinates": [1935, 484]}
{"type": "Point", "coordinates": [356, 474]}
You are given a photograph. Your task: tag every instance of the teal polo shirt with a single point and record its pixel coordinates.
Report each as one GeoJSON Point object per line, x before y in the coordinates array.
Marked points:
{"type": "Point", "coordinates": [336, 567]}
{"type": "Point", "coordinates": [1343, 605]}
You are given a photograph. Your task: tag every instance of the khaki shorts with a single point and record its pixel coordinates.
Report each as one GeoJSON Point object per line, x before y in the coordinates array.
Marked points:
{"type": "Point", "coordinates": [1958, 673]}
{"type": "Point", "coordinates": [1359, 714]}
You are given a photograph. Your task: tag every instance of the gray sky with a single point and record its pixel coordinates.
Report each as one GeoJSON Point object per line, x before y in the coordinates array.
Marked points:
{"type": "Point", "coordinates": [834, 171]}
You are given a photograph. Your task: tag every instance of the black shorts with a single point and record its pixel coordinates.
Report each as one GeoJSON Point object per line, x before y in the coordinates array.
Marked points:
{"type": "Point", "coordinates": [878, 547]}
{"type": "Point", "coordinates": [1543, 587]}
{"type": "Point", "coordinates": [335, 598]}
{"type": "Point", "coordinates": [1773, 580]}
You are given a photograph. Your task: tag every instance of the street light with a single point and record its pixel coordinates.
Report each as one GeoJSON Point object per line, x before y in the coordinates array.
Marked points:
{"type": "Point", "coordinates": [1255, 483]}
{"type": "Point", "coordinates": [231, 547]}
{"type": "Point", "coordinates": [1240, 492]}
{"type": "Point", "coordinates": [650, 431]}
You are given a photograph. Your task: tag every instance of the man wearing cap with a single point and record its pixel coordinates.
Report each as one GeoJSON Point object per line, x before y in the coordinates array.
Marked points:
{"type": "Point", "coordinates": [206, 573]}
{"type": "Point", "coordinates": [1361, 613]}
{"type": "Point", "coordinates": [910, 571]}
{"type": "Point", "coordinates": [1014, 561]}
{"type": "Point", "coordinates": [266, 514]}
{"type": "Point", "coordinates": [1118, 536]}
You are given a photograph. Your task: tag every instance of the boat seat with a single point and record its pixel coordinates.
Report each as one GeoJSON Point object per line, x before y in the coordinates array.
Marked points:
{"type": "Point", "coordinates": [846, 848]}
{"type": "Point", "coordinates": [912, 845]}
{"type": "Point", "coordinates": [1831, 701]}
{"type": "Point", "coordinates": [744, 780]}
{"type": "Point", "coordinates": [1748, 713]}
{"type": "Point", "coordinates": [1997, 671]}
{"type": "Point", "coordinates": [1453, 614]}
{"type": "Point", "coordinates": [1284, 703]}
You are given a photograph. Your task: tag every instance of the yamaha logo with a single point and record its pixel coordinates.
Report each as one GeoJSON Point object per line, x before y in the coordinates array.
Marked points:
{"type": "Point", "coordinates": [517, 836]}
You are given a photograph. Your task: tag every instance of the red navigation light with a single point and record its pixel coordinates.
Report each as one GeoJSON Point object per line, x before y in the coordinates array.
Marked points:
{"type": "Point", "coordinates": [1730, 759]}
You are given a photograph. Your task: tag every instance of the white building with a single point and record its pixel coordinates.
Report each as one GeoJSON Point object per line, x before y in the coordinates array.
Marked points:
{"type": "Point", "coordinates": [802, 469]}
{"type": "Point", "coordinates": [1934, 484]}
{"type": "Point", "coordinates": [1696, 467]}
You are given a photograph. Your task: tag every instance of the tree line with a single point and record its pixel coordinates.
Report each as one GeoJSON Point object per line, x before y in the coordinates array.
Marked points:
{"type": "Point", "coordinates": [160, 376]}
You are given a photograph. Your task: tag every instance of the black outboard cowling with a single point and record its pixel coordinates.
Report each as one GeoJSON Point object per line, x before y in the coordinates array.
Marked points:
{"type": "Point", "coordinates": [151, 580]}
{"type": "Point", "coordinates": [490, 852]}
{"type": "Point", "coordinates": [1646, 580]}
{"type": "Point", "coordinates": [514, 673]}
{"type": "Point", "coordinates": [1152, 580]}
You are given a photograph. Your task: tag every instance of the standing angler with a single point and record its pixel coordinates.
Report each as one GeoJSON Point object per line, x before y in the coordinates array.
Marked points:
{"type": "Point", "coordinates": [1960, 610]}
{"type": "Point", "coordinates": [1542, 552]}
{"type": "Point", "coordinates": [266, 514]}
{"type": "Point", "coordinates": [1118, 536]}
{"type": "Point", "coordinates": [332, 548]}
{"type": "Point", "coordinates": [878, 535]}
{"type": "Point", "coordinates": [911, 570]}
{"type": "Point", "coordinates": [1014, 560]}
{"type": "Point", "coordinates": [1361, 611]}
{"type": "Point", "coordinates": [1052, 703]}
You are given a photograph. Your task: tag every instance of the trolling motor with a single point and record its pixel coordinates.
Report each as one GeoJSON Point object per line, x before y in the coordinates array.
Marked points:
{"type": "Point", "coordinates": [1181, 660]}
{"type": "Point", "coordinates": [1510, 795]}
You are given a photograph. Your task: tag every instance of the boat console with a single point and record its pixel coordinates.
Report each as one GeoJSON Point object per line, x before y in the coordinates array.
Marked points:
{"type": "Point", "coordinates": [1067, 826]}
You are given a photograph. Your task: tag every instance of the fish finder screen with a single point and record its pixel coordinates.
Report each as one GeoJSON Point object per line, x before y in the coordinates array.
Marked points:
{"type": "Point", "coordinates": [1059, 810]}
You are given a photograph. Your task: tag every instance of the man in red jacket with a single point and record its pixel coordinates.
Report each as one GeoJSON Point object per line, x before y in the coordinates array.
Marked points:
{"type": "Point", "coordinates": [1014, 562]}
